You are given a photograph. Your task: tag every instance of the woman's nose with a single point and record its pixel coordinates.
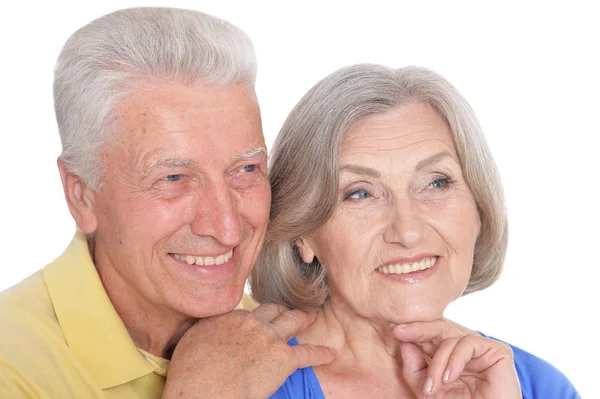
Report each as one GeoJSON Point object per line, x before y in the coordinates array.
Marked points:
{"type": "Point", "coordinates": [406, 225]}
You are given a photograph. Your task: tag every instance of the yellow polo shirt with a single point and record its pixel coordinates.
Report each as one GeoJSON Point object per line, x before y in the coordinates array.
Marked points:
{"type": "Point", "coordinates": [60, 337]}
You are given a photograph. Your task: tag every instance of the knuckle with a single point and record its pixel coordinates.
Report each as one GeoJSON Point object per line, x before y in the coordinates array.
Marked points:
{"type": "Point", "coordinates": [506, 348]}
{"type": "Point", "coordinates": [454, 340]}
{"type": "Point", "coordinates": [279, 347]}
{"type": "Point", "coordinates": [271, 307]}
{"type": "Point", "coordinates": [421, 335]}
{"type": "Point", "coordinates": [473, 339]}
{"type": "Point", "coordinates": [249, 321]}
{"type": "Point", "coordinates": [294, 317]}
{"type": "Point", "coordinates": [450, 341]}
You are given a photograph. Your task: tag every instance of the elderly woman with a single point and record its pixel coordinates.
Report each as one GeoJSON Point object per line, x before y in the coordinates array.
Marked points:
{"type": "Point", "coordinates": [387, 206]}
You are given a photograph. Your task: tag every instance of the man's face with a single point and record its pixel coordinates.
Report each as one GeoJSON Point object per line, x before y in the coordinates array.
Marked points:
{"type": "Point", "coordinates": [184, 203]}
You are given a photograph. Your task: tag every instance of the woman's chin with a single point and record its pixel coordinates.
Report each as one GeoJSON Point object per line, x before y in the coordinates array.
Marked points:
{"type": "Point", "coordinates": [416, 315]}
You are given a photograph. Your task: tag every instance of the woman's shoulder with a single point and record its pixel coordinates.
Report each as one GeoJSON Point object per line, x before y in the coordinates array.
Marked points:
{"type": "Point", "coordinates": [540, 379]}
{"type": "Point", "coordinates": [302, 384]}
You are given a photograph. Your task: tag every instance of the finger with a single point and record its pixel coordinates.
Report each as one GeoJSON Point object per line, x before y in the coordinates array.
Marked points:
{"type": "Point", "coordinates": [414, 366]}
{"type": "Point", "coordinates": [290, 322]}
{"type": "Point", "coordinates": [476, 354]}
{"type": "Point", "coordinates": [267, 312]}
{"type": "Point", "coordinates": [307, 355]}
{"type": "Point", "coordinates": [426, 331]}
{"type": "Point", "coordinates": [428, 335]}
{"type": "Point", "coordinates": [438, 365]}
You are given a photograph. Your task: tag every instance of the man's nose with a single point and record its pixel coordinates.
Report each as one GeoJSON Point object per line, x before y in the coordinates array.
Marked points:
{"type": "Point", "coordinates": [406, 226]}
{"type": "Point", "coordinates": [217, 214]}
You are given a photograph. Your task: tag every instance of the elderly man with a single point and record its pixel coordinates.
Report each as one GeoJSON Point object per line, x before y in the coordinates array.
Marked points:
{"type": "Point", "coordinates": [164, 171]}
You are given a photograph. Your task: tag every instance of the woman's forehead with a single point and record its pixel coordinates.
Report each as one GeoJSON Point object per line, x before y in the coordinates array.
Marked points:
{"type": "Point", "coordinates": [412, 129]}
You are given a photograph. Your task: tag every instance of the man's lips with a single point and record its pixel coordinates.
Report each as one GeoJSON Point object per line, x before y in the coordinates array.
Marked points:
{"type": "Point", "coordinates": [204, 260]}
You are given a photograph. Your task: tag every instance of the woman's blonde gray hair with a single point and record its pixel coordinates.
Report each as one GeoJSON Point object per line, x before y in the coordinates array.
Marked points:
{"type": "Point", "coordinates": [102, 62]}
{"type": "Point", "coordinates": [304, 174]}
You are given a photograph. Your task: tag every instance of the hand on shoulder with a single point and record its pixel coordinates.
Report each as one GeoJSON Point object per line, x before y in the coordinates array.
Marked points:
{"type": "Point", "coordinates": [242, 351]}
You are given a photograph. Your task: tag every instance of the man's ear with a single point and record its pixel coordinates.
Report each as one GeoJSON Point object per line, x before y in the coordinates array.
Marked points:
{"type": "Point", "coordinates": [80, 199]}
{"type": "Point", "coordinates": [306, 252]}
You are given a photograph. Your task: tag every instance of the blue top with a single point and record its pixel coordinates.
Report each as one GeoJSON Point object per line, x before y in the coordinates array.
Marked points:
{"type": "Point", "coordinates": [538, 378]}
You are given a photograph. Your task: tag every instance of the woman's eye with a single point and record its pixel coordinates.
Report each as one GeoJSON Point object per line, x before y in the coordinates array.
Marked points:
{"type": "Point", "coordinates": [358, 195]}
{"type": "Point", "coordinates": [248, 168]}
{"type": "Point", "coordinates": [439, 183]}
{"type": "Point", "coordinates": [173, 178]}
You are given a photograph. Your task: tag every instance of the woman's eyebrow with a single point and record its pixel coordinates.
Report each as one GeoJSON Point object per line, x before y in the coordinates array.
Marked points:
{"type": "Point", "coordinates": [360, 170]}
{"type": "Point", "coordinates": [433, 159]}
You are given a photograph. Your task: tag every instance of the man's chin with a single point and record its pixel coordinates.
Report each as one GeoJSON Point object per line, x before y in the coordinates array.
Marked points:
{"type": "Point", "coordinates": [214, 306]}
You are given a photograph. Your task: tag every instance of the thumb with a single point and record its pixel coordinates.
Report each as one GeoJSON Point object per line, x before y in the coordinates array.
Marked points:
{"type": "Point", "coordinates": [307, 355]}
{"type": "Point", "coordinates": [414, 366]}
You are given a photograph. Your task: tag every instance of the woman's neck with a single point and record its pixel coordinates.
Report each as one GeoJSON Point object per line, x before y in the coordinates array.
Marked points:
{"type": "Point", "coordinates": [367, 363]}
{"type": "Point", "coordinates": [358, 341]}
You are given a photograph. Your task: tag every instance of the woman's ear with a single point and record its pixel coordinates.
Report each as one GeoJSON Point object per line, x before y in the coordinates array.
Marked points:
{"type": "Point", "coordinates": [306, 252]}
{"type": "Point", "coordinates": [80, 199]}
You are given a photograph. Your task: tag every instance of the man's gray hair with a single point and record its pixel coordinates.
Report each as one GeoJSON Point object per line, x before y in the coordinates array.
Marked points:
{"type": "Point", "coordinates": [104, 61]}
{"type": "Point", "coordinates": [304, 174]}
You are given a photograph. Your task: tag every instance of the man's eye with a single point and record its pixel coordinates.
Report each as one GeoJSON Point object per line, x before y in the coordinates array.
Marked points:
{"type": "Point", "coordinates": [358, 195]}
{"type": "Point", "coordinates": [173, 178]}
{"type": "Point", "coordinates": [249, 168]}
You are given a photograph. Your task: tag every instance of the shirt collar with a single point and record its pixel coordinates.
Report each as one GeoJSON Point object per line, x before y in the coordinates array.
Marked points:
{"type": "Point", "coordinates": [90, 324]}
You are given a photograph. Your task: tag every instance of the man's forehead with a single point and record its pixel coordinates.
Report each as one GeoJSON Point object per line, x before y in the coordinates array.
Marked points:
{"type": "Point", "coordinates": [201, 112]}
{"type": "Point", "coordinates": [211, 97]}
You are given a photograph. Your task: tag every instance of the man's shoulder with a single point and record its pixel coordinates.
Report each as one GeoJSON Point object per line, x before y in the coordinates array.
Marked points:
{"type": "Point", "coordinates": [33, 351]}
{"type": "Point", "coordinates": [27, 306]}
{"type": "Point", "coordinates": [30, 328]}
{"type": "Point", "coordinates": [539, 378]}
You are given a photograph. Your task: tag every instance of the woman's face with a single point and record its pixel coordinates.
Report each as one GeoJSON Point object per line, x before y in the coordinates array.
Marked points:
{"type": "Point", "coordinates": [399, 246]}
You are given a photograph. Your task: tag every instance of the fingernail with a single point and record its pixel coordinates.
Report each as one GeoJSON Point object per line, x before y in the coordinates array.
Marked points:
{"type": "Point", "coordinates": [429, 385]}
{"type": "Point", "coordinates": [400, 326]}
{"type": "Point", "coordinates": [447, 375]}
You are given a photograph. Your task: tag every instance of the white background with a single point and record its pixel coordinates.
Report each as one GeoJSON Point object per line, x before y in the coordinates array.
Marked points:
{"type": "Point", "coordinates": [529, 70]}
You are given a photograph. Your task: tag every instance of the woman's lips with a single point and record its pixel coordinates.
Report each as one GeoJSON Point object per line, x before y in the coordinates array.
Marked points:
{"type": "Point", "coordinates": [408, 267]}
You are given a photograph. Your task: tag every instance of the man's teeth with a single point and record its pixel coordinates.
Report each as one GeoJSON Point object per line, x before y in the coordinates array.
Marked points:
{"type": "Point", "coordinates": [205, 260]}
{"type": "Point", "coordinates": [403, 268]}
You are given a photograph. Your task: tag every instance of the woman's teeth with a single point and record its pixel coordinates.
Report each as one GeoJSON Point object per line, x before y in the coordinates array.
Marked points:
{"type": "Point", "coordinates": [403, 268]}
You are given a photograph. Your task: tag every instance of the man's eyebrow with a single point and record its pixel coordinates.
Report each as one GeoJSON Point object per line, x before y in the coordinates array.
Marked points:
{"type": "Point", "coordinates": [169, 163]}
{"type": "Point", "coordinates": [251, 154]}
{"type": "Point", "coordinates": [433, 159]}
{"type": "Point", "coordinates": [360, 170]}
